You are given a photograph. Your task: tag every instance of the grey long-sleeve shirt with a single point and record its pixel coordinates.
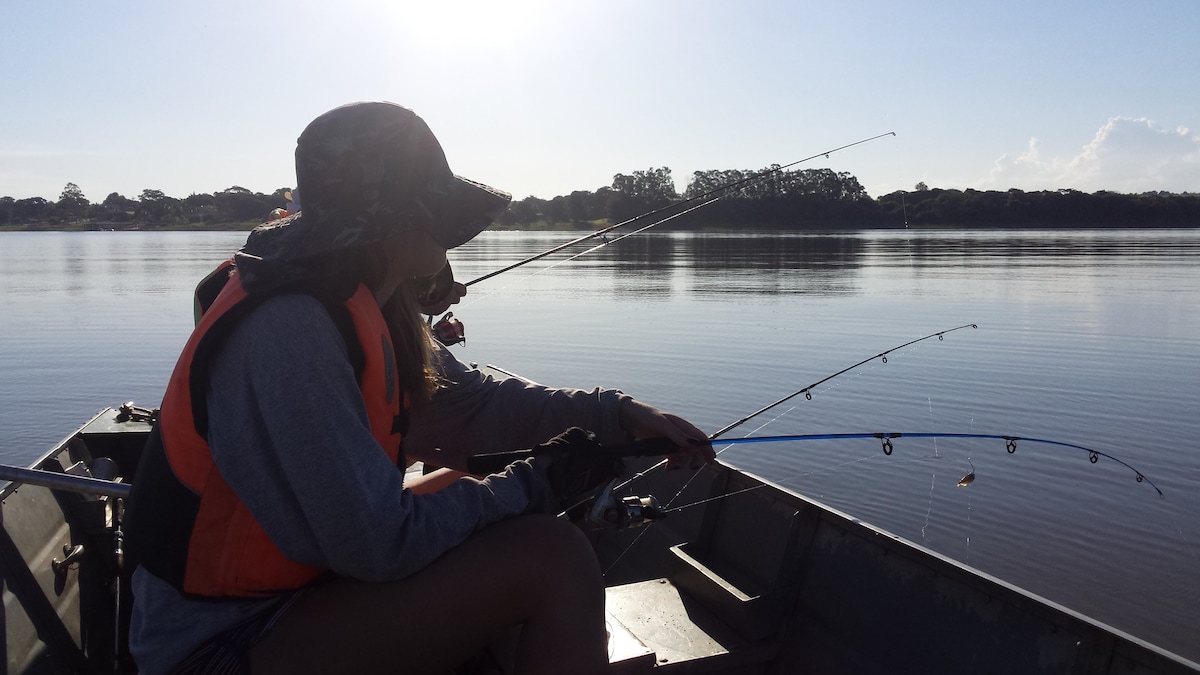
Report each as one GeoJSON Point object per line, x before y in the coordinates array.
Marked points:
{"type": "Point", "coordinates": [474, 413]}
{"type": "Point", "coordinates": [289, 433]}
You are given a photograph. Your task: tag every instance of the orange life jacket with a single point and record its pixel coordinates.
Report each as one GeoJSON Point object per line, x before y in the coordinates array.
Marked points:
{"type": "Point", "coordinates": [186, 525]}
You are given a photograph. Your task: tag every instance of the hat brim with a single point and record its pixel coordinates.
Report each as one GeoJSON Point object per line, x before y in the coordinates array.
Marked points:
{"type": "Point", "coordinates": [462, 208]}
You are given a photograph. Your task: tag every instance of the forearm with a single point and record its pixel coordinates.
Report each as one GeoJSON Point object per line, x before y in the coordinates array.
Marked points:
{"type": "Point", "coordinates": [475, 413]}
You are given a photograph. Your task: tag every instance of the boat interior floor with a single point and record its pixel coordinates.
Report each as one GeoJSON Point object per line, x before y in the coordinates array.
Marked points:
{"type": "Point", "coordinates": [655, 627]}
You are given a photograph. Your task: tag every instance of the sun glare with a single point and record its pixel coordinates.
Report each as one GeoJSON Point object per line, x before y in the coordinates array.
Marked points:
{"type": "Point", "coordinates": [464, 24]}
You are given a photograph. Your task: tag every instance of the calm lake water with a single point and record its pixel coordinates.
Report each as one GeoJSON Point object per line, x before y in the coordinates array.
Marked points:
{"type": "Point", "coordinates": [1090, 338]}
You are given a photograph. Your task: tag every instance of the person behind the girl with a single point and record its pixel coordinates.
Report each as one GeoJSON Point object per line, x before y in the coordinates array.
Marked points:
{"type": "Point", "coordinates": [272, 527]}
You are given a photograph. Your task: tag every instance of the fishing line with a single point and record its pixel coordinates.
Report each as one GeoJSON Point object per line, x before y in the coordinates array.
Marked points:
{"type": "Point", "coordinates": [900, 180]}
{"type": "Point", "coordinates": [964, 482]}
{"type": "Point", "coordinates": [928, 508]}
{"type": "Point", "coordinates": [753, 178]}
{"type": "Point", "coordinates": [932, 477]}
{"type": "Point", "coordinates": [929, 399]}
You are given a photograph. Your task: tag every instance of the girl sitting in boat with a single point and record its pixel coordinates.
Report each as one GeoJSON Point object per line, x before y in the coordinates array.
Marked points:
{"type": "Point", "coordinates": [271, 521]}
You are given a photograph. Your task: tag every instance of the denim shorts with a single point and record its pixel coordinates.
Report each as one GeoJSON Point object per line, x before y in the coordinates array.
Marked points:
{"type": "Point", "coordinates": [228, 652]}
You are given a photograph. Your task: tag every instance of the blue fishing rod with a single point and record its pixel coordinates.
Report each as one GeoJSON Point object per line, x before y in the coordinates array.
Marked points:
{"type": "Point", "coordinates": [635, 511]}
{"type": "Point", "coordinates": [655, 447]}
{"type": "Point", "coordinates": [885, 438]}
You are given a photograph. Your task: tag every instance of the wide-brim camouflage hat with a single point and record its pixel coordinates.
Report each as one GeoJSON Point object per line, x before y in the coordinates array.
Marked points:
{"type": "Point", "coordinates": [371, 170]}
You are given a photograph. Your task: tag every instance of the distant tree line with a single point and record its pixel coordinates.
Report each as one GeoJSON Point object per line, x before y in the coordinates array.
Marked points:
{"type": "Point", "coordinates": [804, 199]}
{"type": "Point", "coordinates": [769, 198]}
{"type": "Point", "coordinates": [232, 208]}
{"type": "Point", "coordinates": [1046, 208]}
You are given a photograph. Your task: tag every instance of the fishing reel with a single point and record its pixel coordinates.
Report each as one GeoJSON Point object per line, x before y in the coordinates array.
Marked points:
{"type": "Point", "coordinates": [630, 511]}
{"type": "Point", "coordinates": [449, 330]}
{"type": "Point", "coordinates": [434, 295]}
{"type": "Point", "coordinates": [605, 510]}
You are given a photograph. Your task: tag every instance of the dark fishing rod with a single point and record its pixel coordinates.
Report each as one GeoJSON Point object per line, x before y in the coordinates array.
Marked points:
{"type": "Point", "coordinates": [489, 463]}
{"type": "Point", "coordinates": [700, 197]}
{"type": "Point", "coordinates": [450, 331]}
{"type": "Point", "coordinates": [641, 229]}
{"type": "Point", "coordinates": [807, 391]}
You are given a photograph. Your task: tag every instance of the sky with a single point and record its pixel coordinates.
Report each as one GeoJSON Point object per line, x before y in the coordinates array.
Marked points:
{"type": "Point", "coordinates": [545, 97]}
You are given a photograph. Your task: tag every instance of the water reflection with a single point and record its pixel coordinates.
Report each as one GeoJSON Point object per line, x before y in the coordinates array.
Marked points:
{"type": "Point", "coordinates": [718, 265]}
{"type": "Point", "coordinates": [1032, 247]}
{"type": "Point", "coordinates": [695, 264]}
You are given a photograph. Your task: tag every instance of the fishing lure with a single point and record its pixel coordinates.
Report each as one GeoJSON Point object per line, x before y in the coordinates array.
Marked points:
{"type": "Point", "coordinates": [970, 477]}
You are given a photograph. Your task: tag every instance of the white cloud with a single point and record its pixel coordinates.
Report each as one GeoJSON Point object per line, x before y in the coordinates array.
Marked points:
{"type": "Point", "coordinates": [1126, 155]}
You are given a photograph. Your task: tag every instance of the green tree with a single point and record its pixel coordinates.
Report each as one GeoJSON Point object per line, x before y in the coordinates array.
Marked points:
{"type": "Point", "coordinates": [525, 211]}
{"type": "Point", "coordinates": [577, 209]}
{"type": "Point", "coordinates": [641, 191]}
{"type": "Point", "coordinates": [507, 219]}
{"type": "Point", "coordinates": [32, 210]}
{"type": "Point", "coordinates": [200, 208]}
{"type": "Point", "coordinates": [236, 204]}
{"type": "Point", "coordinates": [156, 208]}
{"type": "Point", "coordinates": [199, 201]}
{"type": "Point", "coordinates": [555, 211]}
{"type": "Point", "coordinates": [654, 187]}
{"type": "Point", "coordinates": [115, 208]}
{"type": "Point", "coordinates": [72, 203]}
{"type": "Point", "coordinates": [116, 203]}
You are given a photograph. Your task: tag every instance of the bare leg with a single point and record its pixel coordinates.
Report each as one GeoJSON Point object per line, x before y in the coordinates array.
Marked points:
{"type": "Point", "coordinates": [533, 570]}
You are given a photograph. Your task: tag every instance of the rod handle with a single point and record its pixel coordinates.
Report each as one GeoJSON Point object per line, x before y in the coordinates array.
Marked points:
{"type": "Point", "coordinates": [494, 462]}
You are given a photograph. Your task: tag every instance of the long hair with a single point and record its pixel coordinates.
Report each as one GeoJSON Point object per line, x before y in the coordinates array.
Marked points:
{"type": "Point", "coordinates": [416, 366]}
{"type": "Point", "coordinates": [417, 373]}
